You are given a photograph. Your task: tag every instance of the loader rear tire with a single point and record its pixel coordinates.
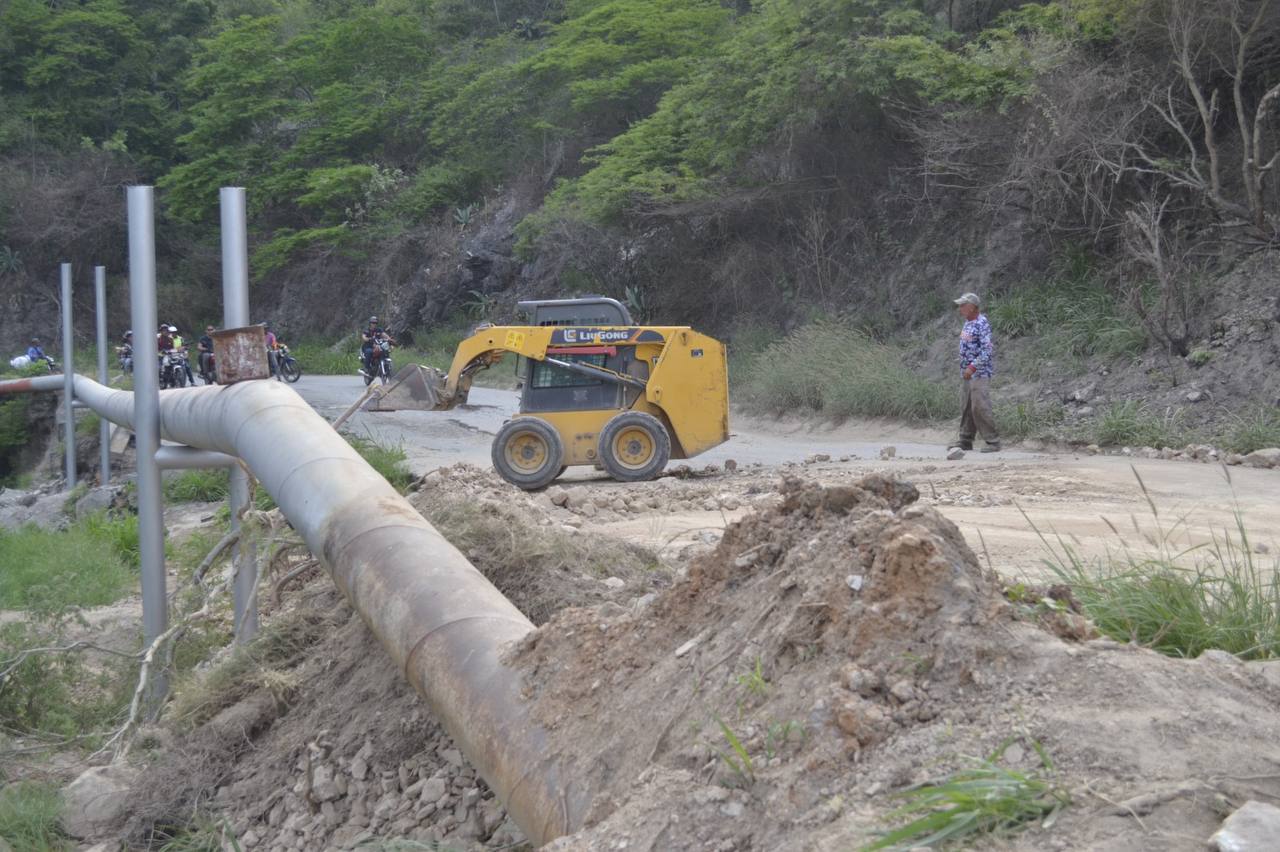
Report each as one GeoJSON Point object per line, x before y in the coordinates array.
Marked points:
{"type": "Point", "coordinates": [634, 446]}
{"type": "Point", "coordinates": [528, 453]}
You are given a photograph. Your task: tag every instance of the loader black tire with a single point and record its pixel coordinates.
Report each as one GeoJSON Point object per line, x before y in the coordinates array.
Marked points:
{"type": "Point", "coordinates": [634, 446]}
{"type": "Point", "coordinates": [528, 453]}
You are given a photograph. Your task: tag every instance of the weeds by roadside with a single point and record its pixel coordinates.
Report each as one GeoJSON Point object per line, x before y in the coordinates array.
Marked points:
{"type": "Point", "coordinates": [1253, 430]}
{"type": "Point", "coordinates": [837, 370]}
{"type": "Point", "coordinates": [982, 799]}
{"type": "Point", "coordinates": [1178, 600]}
{"type": "Point", "coordinates": [1019, 420]}
{"type": "Point", "coordinates": [1133, 424]}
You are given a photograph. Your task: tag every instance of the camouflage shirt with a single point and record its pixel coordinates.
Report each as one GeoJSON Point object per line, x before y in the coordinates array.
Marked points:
{"type": "Point", "coordinates": [976, 347]}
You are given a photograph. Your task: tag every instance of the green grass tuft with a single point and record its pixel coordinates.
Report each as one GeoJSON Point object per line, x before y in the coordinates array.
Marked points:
{"type": "Point", "coordinates": [1028, 419]}
{"type": "Point", "coordinates": [834, 369]}
{"type": "Point", "coordinates": [1254, 430]}
{"type": "Point", "coordinates": [1135, 425]}
{"type": "Point", "coordinates": [197, 486]}
{"type": "Point", "coordinates": [1180, 601]}
{"type": "Point", "coordinates": [92, 562]}
{"type": "Point", "coordinates": [385, 459]}
{"type": "Point", "coordinates": [983, 799]}
{"type": "Point", "coordinates": [1072, 315]}
{"type": "Point", "coordinates": [29, 815]}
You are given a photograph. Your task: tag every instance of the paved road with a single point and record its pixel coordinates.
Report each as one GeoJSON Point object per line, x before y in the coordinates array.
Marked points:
{"type": "Point", "coordinates": [994, 499]}
{"type": "Point", "coordinates": [435, 438]}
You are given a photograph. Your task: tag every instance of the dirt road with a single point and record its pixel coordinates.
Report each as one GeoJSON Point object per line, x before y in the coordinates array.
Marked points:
{"type": "Point", "coordinates": [991, 497]}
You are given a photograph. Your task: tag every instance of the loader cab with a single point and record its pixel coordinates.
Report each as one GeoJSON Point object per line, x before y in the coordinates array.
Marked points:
{"type": "Point", "coordinates": [547, 388]}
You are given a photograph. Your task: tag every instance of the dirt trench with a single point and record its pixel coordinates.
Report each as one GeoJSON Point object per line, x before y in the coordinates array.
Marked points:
{"type": "Point", "coordinates": [771, 688]}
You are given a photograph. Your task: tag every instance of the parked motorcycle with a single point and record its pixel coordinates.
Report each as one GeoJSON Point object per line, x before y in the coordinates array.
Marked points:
{"type": "Point", "coordinates": [379, 365]}
{"type": "Point", "coordinates": [173, 369]}
{"type": "Point", "coordinates": [287, 365]}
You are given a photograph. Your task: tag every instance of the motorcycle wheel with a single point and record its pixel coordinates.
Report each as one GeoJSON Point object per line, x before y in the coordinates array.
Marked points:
{"type": "Point", "coordinates": [384, 370]}
{"type": "Point", "coordinates": [367, 376]}
{"type": "Point", "coordinates": [290, 370]}
{"type": "Point", "coordinates": [180, 379]}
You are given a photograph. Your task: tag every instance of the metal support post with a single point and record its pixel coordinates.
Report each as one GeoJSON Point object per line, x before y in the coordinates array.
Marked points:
{"type": "Point", "coordinates": [104, 427]}
{"type": "Point", "coordinates": [146, 418]}
{"type": "Point", "coordinates": [68, 385]}
{"type": "Point", "coordinates": [235, 314]}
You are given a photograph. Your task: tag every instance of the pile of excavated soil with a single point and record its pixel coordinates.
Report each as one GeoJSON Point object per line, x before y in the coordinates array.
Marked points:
{"type": "Point", "coordinates": [831, 650]}
{"type": "Point", "coordinates": [852, 645]}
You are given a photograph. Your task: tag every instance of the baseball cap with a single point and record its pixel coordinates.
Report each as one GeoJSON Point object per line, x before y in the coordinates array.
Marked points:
{"type": "Point", "coordinates": [968, 299]}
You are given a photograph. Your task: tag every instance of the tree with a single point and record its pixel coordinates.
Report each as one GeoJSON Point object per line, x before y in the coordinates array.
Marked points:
{"type": "Point", "coordinates": [1223, 54]}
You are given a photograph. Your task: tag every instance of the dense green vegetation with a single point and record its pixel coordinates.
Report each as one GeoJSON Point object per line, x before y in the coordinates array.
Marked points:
{"type": "Point", "coordinates": [352, 121]}
{"type": "Point", "coordinates": [754, 163]}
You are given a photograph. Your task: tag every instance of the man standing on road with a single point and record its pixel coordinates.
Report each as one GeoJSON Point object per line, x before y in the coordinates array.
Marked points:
{"type": "Point", "coordinates": [977, 365]}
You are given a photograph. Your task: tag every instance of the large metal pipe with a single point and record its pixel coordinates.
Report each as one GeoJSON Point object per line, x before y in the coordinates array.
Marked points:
{"type": "Point", "coordinates": [443, 623]}
{"type": "Point", "coordinates": [189, 458]}
{"type": "Point", "coordinates": [235, 314]}
{"type": "Point", "coordinates": [68, 370]}
{"type": "Point", "coordinates": [104, 427]}
{"type": "Point", "coordinates": [146, 421]}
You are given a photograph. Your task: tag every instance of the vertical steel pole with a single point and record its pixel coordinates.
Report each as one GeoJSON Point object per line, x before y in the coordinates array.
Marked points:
{"type": "Point", "coordinates": [235, 314]}
{"type": "Point", "coordinates": [146, 397]}
{"type": "Point", "coordinates": [104, 426]}
{"type": "Point", "coordinates": [68, 385]}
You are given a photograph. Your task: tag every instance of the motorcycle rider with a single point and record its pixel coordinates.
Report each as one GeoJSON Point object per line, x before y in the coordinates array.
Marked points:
{"type": "Point", "coordinates": [164, 343]}
{"type": "Point", "coordinates": [124, 352]}
{"type": "Point", "coordinates": [35, 353]}
{"type": "Point", "coordinates": [204, 346]}
{"type": "Point", "coordinates": [368, 337]}
{"type": "Point", "coordinates": [180, 345]}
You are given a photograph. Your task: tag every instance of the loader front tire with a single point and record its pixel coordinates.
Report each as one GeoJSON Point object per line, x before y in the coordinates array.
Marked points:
{"type": "Point", "coordinates": [634, 446]}
{"type": "Point", "coordinates": [528, 453]}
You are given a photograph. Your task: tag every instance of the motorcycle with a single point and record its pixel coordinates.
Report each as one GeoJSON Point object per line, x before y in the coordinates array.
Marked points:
{"type": "Point", "coordinates": [124, 355]}
{"type": "Point", "coordinates": [286, 365]}
{"type": "Point", "coordinates": [173, 369]}
{"type": "Point", "coordinates": [379, 365]}
{"type": "Point", "coordinates": [208, 371]}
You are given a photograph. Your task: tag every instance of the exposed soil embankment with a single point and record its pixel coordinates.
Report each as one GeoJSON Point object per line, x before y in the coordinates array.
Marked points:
{"type": "Point", "coordinates": [833, 648]}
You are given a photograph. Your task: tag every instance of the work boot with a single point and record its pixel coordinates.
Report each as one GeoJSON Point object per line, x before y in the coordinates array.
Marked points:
{"type": "Point", "coordinates": [990, 448]}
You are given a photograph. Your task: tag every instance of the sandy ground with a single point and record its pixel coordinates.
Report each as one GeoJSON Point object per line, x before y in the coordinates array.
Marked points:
{"type": "Point", "coordinates": [1002, 503]}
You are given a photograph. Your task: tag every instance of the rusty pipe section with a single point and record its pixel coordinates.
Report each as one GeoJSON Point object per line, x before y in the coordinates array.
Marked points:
{"type": "Point", "coordinates": [439, 618]}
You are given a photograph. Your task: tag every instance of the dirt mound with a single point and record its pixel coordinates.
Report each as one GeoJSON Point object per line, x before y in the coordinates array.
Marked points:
{"type": "Point", "coordinates": [847, 644]}
{"type": "Point", "coordinates": [831, 650]}
{"type": "Point", "coordinates": [311, 738]}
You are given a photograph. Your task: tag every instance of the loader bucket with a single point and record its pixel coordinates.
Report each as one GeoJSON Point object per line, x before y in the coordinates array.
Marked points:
{"type": "Point", "coordinates": [413, 388]}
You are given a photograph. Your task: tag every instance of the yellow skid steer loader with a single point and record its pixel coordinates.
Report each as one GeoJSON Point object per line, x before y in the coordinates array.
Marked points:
{"type": "Point", "coordinates": [595, 389]}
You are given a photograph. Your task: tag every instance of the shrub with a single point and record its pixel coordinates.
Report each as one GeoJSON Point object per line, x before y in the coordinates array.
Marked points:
{"type": "Point", "coordinates": [832, 368]}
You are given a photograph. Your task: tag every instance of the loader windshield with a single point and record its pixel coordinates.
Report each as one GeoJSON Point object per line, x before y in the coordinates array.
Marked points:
{"type": "Point", "coordinates": [550, 376]}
